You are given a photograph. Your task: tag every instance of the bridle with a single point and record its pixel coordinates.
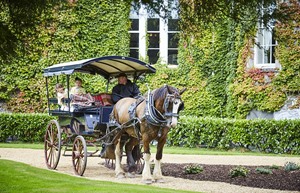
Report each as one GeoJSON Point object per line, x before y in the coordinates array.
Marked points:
{"type": "Point", "coordinates": [154, 117]}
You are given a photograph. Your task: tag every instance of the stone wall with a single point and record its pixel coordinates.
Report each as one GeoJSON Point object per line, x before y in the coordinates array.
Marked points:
{"type": "Point", "coordinates": [284, 113]}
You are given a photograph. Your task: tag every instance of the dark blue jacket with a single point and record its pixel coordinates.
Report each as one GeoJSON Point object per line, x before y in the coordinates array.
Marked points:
{"type": "Point", "coordinates": [121, 91]}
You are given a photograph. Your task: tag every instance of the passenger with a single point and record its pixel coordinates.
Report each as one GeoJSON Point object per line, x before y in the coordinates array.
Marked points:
{"type": "Point", "coordinates": [124, 88]}
{"type": "Point", "coordinates": [61, 94]}
{"type": "Point", "coordinates": [79, 95]}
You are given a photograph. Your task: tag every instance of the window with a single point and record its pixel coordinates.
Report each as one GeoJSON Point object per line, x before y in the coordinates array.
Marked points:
{"type": "Point", "coordinates": [265, 48]}
{"type": "Point", "coordinates": [264, 52]}
{"type": "Point", "coordinates": [173, 39]}
{"type": "Point", "coordinates": [154, 39]}
{"type": "Point", "coordinates": [134, 38]}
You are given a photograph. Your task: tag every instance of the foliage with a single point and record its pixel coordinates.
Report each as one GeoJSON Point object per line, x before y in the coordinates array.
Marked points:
{"type": "Point", "coordinates": [269, 136]}
{"type": "Point", "coordinates": [266, 90]}
{"type": "Point", "coordinates": [291, 166]}
{"type": "Point", "coordinates": [62, 32]}
{"type": "Point", "coordinates": [274, 167]}
{"type": "Point", "coordinates": [208, 64]}
{"type": "Point", "coordinates": [233, 89]}
{"type": "Point", "coordinates": [24, 127]}
{"type": "Point", "coordinates": [24, 14]}
{"type": "Point", "coordinates": [193, 169]}
{"type": "Point", "coordinates": [238, 171]}
{"type": "Point", "coordinates": [288, 51]}
{"type": "Point", "coordinates": [264, 135]}
{"type": "Point", "coordinates": [262, 170]}
{"type": "Point", "coordinates": [213, 52]}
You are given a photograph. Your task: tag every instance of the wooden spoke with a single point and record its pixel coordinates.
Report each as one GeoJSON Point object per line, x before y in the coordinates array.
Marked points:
{"type": "Point", "coordinates": [79, 155]}
{"type": "Point", "coordinates": [52, 144]}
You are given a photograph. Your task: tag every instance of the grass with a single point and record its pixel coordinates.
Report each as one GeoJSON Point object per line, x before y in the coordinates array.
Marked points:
{"type": "Point", "coordinates": [167, 150]}
{"type": "Point", "coordinates": [22, 145]}
{"type": "Point", "coordinates": [18, 177]}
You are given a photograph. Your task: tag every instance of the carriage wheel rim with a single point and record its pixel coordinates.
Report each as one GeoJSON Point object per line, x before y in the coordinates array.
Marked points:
{"type": "Point", "coordinates": [52, 144]}
{"type": "Point", "coordinates": [79, 155]}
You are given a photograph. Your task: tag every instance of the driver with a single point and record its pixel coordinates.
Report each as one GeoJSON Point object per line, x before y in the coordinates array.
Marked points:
{"type": "Point", "coordinates": [124, 88]}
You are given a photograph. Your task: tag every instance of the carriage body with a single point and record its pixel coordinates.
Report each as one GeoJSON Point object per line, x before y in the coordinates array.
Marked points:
{"type": "Point", "coordinates": [77, 128]}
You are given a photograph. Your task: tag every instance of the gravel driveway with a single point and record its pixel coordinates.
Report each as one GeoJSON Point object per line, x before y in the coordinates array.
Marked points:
{"type": "Point", "coordinates": [96, 171]}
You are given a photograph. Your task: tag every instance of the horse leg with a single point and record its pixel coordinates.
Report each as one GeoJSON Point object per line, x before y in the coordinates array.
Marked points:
{"type": "Point", "coordinates": [157, 175]}
{"type": "Point", "coordinates": [118, 169]}
{"type": "Point", "coordinates": [146, 175]}
{"type": "Point", "coordinates": [130, 160]}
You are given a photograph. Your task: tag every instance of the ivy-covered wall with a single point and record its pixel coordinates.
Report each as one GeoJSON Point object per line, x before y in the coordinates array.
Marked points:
{"type": "Point", "coordinates": [212, 58]}
{"type": "Point", "coordinates": [208, 58]}
{"type": "Point", "coordinates": [268, 90]}
{"type": "Point", "coordinates": [63, 32]}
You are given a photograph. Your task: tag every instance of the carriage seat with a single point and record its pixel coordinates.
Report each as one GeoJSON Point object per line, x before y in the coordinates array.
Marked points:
{"type": "Point", "coordinates": [103, 99]}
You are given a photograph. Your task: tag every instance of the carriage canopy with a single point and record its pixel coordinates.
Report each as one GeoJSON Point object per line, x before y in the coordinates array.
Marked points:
{"type": "Point", "coordinates": [107, 66]}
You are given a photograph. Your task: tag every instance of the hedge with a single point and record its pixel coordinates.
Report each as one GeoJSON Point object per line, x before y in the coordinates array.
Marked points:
{"type": "Point", "coordinates": [25, 127]}
{"type": "Point", "coordinates": [263, 135]}
{"type": "Point", "coordinates": [269, 136]}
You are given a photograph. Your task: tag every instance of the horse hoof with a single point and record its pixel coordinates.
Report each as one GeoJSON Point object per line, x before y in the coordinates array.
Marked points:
{"type": "Point", "coordinates": [120, 175]}
{"type": "Point", "coordinates": [149, 181]}
{"type": "Point", "coordinates": [159, 181]}
{"type": "Point", "coordinates": [131, 175]}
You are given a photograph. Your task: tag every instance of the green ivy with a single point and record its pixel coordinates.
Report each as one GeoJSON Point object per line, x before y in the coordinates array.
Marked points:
{"type": "Point", "coordinates": [288, 51]}
{"type": "Point", "coordinates": [212, 58]}
{"type": "Point", "coordinates": [63, 32]}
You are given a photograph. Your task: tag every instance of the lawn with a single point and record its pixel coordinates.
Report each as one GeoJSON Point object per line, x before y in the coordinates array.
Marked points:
{"type": "Point", "coordinates": [19, 177]}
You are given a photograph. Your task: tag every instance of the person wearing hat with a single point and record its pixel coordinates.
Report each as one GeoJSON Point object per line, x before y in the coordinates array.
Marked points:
{"type": "Point", "coordinates": [124, 88]}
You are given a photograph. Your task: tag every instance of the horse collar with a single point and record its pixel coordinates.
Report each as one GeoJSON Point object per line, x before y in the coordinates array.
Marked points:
{"type": "Point", "coordinates": [152, 115]}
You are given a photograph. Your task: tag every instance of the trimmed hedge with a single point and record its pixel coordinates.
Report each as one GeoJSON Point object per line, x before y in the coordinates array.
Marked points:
{"type": "Point", "coordinates": [25, 127]}
{"type": "Point", "coordinates": [269, 136]}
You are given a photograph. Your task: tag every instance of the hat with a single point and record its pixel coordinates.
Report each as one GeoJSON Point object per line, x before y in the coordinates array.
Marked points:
{"type": "Point", "coordinates": [121, 75]}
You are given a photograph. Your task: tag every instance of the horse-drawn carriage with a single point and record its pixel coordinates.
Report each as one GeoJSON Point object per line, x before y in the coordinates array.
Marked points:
{"type": "Point", "coordinates": [111, 127]}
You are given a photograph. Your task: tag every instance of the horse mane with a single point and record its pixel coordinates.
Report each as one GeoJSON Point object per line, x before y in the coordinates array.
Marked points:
{"type": "Point", "coordinates": [161, 93]}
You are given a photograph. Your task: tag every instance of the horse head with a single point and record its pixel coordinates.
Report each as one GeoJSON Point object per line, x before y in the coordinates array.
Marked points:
{"type": "Point", "coordinates": [168, 102]}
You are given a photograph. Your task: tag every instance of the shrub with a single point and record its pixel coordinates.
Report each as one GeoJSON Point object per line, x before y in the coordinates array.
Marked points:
{"type": "Point", "coordinates": [263, 170]}
{"type": "Point", "coordinates": [291, 166]}
{"type": "Point", "coordinates": [274, 167]}
{"type": "Point", "coordinates": [262, 135]}
{"type": "Point", "coordinates": [24, 127]}
{"type": "Point", "coordinates": [238, 171]}
{"type": "Point", "coordinates": [193, 169]}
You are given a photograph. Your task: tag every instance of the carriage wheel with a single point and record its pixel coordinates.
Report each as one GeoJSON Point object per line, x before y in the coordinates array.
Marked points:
{"type": "Point", "coordinates": [138, 158]}
{"type": "Point", "coordinates": [79, 155]}
{"type": "Point", "coordinates": [75, 125]}
{"type": "Point", "coordinates": [52, 141]}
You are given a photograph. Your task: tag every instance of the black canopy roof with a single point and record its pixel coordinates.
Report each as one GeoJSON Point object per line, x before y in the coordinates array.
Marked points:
{"type": "Point", "coordinates": [107, 66]}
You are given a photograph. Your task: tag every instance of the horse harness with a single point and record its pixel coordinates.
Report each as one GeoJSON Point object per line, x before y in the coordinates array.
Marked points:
{"type": "Point", "coordinates": [151, 115]}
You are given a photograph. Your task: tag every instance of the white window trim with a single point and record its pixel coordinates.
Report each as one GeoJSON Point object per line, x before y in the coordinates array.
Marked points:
{"type": "Point", "coordinates": [270, 65]}
{"type": "Point", "coordinates": [264, 65]}
{"type": "Point", "coordinates": [163, 36]}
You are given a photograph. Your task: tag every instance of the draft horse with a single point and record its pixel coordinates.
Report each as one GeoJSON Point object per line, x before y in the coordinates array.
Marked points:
{"type": "Point", "coordinates": [151, 119]}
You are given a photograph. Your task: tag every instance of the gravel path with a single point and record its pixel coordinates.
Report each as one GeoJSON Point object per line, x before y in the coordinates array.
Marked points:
{"type": "Point", "coordinates": [96, 171]}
